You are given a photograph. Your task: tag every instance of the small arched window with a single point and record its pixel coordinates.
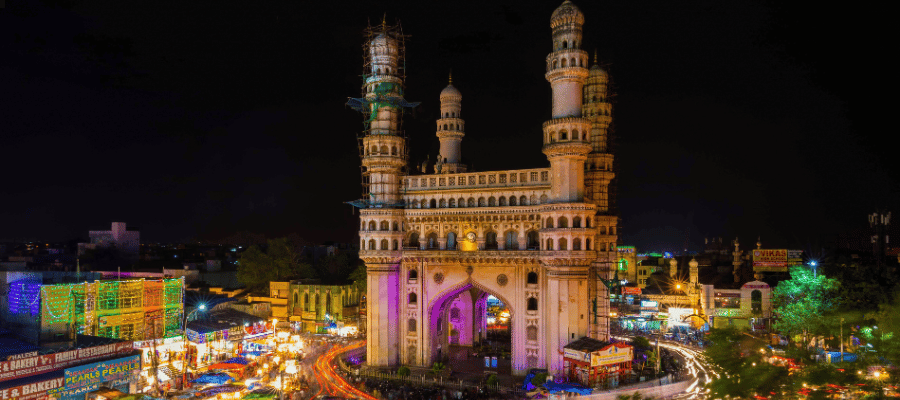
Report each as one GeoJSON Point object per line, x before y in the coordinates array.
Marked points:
{"type": "Point", "coordinates": [563, 63]}
{"type": "Point", "coordinates": [451, 203]}
{"type": "Point", "coordinates": [394, 150]}
{"type": "Point", "coordinates": [574, 134]}
{"type": "Point", "coordinates": [565, 45]}
{"type": "Point", "coordinates": [563, 222]}
{"type": "Point", "coordinates": [490, 240]}
{"type": "Point", "coordinates": [532, 278]}
{"type": "Point", "coordinates": [395, 227]}
{"type": "Point", "coordinates": [445, 127]}
{"type": "Point", "coordinates": [413, 274]}
{"type": "Point", "coordinates": [372, 244]}
{"type": "Point", "coordinates": [602, 230]}
{"type": "Point", "coordinates": [451, 241]}
{"type": "Point", "coordinates": [412, 298]}
{"type": "Point", "coordinates": [433, 203]}
{"type": "Point", "coordinates": [549, 223]}
{"type": "Point", "coordinates": [563, 244]}
{"type": "Point", "coordinates": [492, 201]}
{"type": "Point", "coordinates": [384, 225]}
{"type": "Point", "coordinates": [471, 202]}
{"type": "Point", "coordinates": [424, 204]}
{"type": "Point", "coordinates": [532, 304]}
{"type": "Point", "coordinates": [576, 244]}
{"type": "Point", "coordinates": [384, 244]}
{"type": "Point", "coordinates": [411, 325]}
{"type": "Point", "coordinates": [481, 202]}
{"type": "Point", "coordinates": [563, 135]}
{"type": "Point", "coordinates": [543, 199]}
{"type": "Point", "coordinates": [512, 200]}
{"type": "Point", "coordinates": [431, 241]}
{"type": "Point", "coordinates": [372, 226]}
{"type": "Point", "coordinates": [461, 202]}
{"type": "Point", "coordinates": [512, 240]}
{"type": "Point", "coordinates": [396, 245]}
{"type": "Point", "coordinates": [384, 150]}
{"type": "Point", "coordinates": [576, 222]}
{"type": "Point", "coordinates": [306, 302]}
{"type": "Point", "coordinates": [502, 202]}
{"type": "Point", "coordinates": [413, 239]}
{"type": "Point", "coordinates": [587, 244]}
{"type": "Point", "coordinates": [523, 201]}
{"type": "Point", "coordinates": [442, 203]}
{"type": "Point", "coordinates": [549, 244]}
{"type": "Point", "coordinates": [533, 243]}
{"type": "Point", "coordinates": [587, 222]}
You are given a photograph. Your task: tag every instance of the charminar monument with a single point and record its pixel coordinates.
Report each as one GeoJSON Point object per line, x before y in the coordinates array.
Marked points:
{"type": "Point", "coordinates": [437, 244]}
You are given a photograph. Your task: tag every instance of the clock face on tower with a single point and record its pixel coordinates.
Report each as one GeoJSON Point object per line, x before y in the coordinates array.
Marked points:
{"type": "Point", "coordinates": [470, 236]}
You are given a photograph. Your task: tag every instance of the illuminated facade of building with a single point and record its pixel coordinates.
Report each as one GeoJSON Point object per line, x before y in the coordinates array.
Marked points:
{"type": "Point", "coordinates": [436, 245]}
{"type": "Point", "coordinates": [132, 309]}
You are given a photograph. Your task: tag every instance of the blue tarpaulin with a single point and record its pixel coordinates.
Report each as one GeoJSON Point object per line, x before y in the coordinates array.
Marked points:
{"type": "Point", "coordinates": [217, 379]}
{"type": "Point", "coordinates": [567, 387]}
{"type": "Point", "coordinates": [835, 356]}
{"type": "Point", "coordinates": [237, 360]}
{"type": "Point", "coordinates": [528, 386]}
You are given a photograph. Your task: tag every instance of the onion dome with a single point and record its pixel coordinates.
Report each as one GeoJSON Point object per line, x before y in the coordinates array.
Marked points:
{"type": "Point", "coordinates": [566, 13]}
{"type": "Point", "coordinates": [451, 93]}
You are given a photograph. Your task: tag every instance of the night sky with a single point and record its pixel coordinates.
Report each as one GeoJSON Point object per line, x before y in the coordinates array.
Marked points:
{"type": "Point", "coordinates": [204, 118]}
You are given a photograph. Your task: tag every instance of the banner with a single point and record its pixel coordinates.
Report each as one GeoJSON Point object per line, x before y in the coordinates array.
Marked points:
{"type": "Point", "coordinates": [770, 260]}
{"type": "Point", "coordinates": [85, 375]}
{"type": "Point", "coordinates": [631, 290]}
{"type": "Point", "coordinates": [39, 364]}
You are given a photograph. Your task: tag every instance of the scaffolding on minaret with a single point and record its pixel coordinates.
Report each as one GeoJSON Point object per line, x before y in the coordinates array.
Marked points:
{"type": "Point", "coordinates": [383, 94]}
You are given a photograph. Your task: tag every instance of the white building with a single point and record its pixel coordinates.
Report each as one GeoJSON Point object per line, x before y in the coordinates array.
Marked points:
{"type": "Point", "coordinates": [126, 241]}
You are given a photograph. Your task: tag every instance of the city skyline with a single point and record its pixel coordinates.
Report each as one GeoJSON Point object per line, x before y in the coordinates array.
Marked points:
{"type": "Point", "coordinates": [731, 119]}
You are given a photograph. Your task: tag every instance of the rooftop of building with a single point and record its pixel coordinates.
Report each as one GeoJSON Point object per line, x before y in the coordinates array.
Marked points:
{"type": "Point", "coordinates": [587, 345]}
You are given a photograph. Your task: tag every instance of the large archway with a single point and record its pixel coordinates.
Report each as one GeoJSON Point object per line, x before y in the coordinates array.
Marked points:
{"type": "Point", "coordinates": [458, 329]}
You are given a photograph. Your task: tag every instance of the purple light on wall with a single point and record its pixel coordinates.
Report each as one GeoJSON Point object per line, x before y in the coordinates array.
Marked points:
{"type": "Point", "coordinates": [23, 298]}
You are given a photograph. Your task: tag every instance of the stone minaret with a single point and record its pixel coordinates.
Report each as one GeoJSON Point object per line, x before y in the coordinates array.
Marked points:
{"type": "Point", "coordinates": [736, 261]}
{"type": "Point", "coordinates": [673, 268]}
{"type": "Point", "coordinates": [381, 218]}
{"type": "Point", "coordinates": [568, 231]}
{"type": "Point", "coordinates": [450, 130]}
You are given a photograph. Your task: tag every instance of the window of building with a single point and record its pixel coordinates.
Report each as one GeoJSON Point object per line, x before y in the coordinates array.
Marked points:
{"type": "Point", "coordinates": [412, 298]}
{"type": "Point", "coordinates": [532, 304]}
{"type": "Point", "coordinates": [532, 278]}
{"type": "Point", "coordinates": [413, 274]}
{"type": "Point", "coordinates": [727, 300]}
{"type": "Point", "coordinates": [512, 240]}
{"type": "Point", "coordinates": [756, 301]}
{"type": "Point", "coordinates": [490, 240]}
{"type": "Point", "coordinates": [411, 325]}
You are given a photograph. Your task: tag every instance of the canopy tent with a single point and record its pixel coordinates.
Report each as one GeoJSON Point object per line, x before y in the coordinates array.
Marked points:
{"type": "Point", "coordinates": [567, 387]}
{"type": "Point", "coordinates": [214, 378]}
{"type": "Point", "coordinates": [212, 391]}
{"type": "Point", "coordinates": [237, 360]}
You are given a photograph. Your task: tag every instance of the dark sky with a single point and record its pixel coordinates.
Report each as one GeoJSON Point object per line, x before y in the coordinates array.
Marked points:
{"type": "Point", "coordinates": [203, 118]}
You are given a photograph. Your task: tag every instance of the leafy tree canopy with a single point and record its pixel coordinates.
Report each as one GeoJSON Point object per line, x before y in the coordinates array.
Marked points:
{"type": "Point", "coordinates": [742, 371]}
{"type": "Point", "coordinates": [279, 262]}
{"type": "Point", "coordinates": [800, 303]}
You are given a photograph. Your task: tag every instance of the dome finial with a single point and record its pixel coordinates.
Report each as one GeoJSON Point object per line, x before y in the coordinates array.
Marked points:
{"type": "Point", "coordinates": [595, 57]}
{"type": "Point", "coordinates": [451, 76]}
{"type": "Point", "coordinates": [384, 22]}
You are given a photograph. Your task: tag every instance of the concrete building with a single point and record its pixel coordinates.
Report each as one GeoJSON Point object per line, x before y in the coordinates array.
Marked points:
{"type": "Point", "coordinates": [128, 309]}
{"type": "Point", "coordinates": [436, 245]}
{"type": "Point", "coordinates": [126, 241]}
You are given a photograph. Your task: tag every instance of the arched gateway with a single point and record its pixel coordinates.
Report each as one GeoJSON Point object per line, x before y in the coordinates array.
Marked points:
{"type": "Point", "coordinates": [460, 236]}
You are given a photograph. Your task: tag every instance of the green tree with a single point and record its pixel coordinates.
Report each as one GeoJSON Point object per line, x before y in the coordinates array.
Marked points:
{"type": "Point", "coordinates": [280, 262]}
{"type": "Point", "coordinates": [403, 371]}
{"type": "Point", "coordinates": [358, 277]}
{"type": "Point", "coordinates": [640, 342]}
{"type": "Point", "coordinates": [800, 303]}
{"type": "Point", "coordinates": [743, 373]}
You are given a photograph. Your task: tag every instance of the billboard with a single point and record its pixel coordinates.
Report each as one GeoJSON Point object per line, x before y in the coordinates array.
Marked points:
{"type": "Point", "coordinates": [39, 364]}
{"type": "Point", "coordinates": [86, 375]}
{"type": "Point", "coordinates": [770, 260]}
{"type": "Point", "coordinates": [613, 354]}
{"type": "Point", "coordinates": [631, 290]}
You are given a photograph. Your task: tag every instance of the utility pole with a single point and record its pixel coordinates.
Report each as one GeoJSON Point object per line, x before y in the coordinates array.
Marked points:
{"type": "Point", "coordinates": [842, 339]}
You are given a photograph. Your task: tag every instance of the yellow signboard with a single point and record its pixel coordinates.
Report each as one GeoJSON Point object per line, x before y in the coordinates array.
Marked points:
{"type": "Point", "coordinates": [611, 355]}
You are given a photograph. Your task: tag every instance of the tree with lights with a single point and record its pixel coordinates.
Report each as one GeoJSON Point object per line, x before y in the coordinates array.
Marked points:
{"type": "Point", "coordinates": [801, 303]}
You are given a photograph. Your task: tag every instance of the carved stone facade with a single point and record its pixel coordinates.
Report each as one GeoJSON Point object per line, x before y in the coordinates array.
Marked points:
{"type": "Point", "coordinates": [541, 240]}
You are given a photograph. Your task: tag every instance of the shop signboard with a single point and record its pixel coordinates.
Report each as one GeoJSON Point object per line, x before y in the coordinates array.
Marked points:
{"type": "Point", "coordinates": [770, 260]}
{"type": "Point", "coordinates": [612, 354]}
{"type": "Point", "coordinates": [39, 364]}
{"type": "Point", "coordinates": [86, 375]}
{"type": "Point", "coordinates": [794, 257]}
{"type": "Point", "coordinates": [631, 290]}
{"type": "Point", "coordinates": [35, 390]}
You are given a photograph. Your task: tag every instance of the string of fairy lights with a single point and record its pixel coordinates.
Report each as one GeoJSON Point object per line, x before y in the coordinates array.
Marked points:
{"type": "Point", "coordinates": [123, 305]}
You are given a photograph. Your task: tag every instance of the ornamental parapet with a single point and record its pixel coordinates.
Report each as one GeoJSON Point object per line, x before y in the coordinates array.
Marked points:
{"type": "Point", "coordinates": [568, 73]}
{"type": "Point", "coordinates": [568, 258]}
{"type": "Point", "coordinates": [578, 149]}
{"type": "Point", "coordinates": [566, 207]}
{"type": "Point", "coordinates": [482, 257]}
{"type": "Point", "coordinates": [376, 161]}
{"type": "Point", "coordinates": [524, 178]}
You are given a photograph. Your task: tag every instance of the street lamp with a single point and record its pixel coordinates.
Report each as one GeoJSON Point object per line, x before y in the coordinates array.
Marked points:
{"type": "Point", "coordinates": [184, 363]}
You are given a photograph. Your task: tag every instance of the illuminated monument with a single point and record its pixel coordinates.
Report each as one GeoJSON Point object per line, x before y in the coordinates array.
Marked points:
{"type": "Point", "coordinates": [436, 245]}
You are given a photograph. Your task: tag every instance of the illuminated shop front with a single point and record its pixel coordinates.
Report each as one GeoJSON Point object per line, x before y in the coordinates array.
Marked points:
{"type": "Point", "coordinates": [593, 362]}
